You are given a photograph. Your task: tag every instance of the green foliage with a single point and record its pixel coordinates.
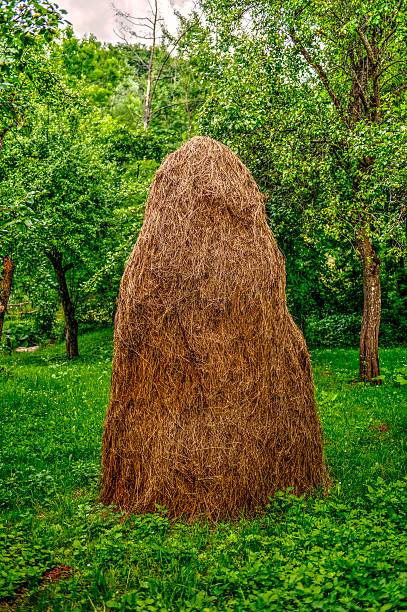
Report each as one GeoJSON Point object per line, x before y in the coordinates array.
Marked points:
{"type": "Point", "coordinates": [74, 178]}
{"type": "Point", "coordinates": [25, 20]}
{"type": "Point", "coordinates": [128, 146]}
{"type": "Point", "coordinates": [95, 68]}
{"type": "Point", "coordinates": [25, 30]}
{"type": "Point", "coordinates": [334, 331]}
{"type": "Point", "coordinates": [342, 330]}
{"type": "Point", "coordinates": [21, 561]}
{"type": "Point", "coordinates": [62, 193]}
{"type": "Point", "coordinates": [345, 551]}
{"type": "Point", "coordinates": [58, 190]}
{"type": "Point", "coordinates": [33, 328]}
{"type": "Point", "coordinates": [20, 332]}
{"type": "Point", "coordinates": [393, 328]}
{"type": "Point", "coordinates": [330, 169]}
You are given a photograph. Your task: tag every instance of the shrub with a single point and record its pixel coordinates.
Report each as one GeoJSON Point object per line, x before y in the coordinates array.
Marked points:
{"type": "Point", "coordinates": [342, 330]}
{"type": "Point", "coordinates": [333, 331]}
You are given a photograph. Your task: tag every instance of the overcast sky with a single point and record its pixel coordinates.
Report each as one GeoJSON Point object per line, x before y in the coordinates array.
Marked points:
{"type": "Point", "coordinates": [97, 16]}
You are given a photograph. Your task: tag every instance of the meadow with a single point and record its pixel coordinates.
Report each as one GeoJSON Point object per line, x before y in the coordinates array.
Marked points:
{"type": "Point", "coordinates": [60, 549]}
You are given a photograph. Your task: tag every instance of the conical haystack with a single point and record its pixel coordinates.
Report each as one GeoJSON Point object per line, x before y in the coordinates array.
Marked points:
{"type": "Point", "coordinates": [212, 401]}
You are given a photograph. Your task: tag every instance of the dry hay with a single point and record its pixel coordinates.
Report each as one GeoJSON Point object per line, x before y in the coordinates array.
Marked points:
{"type": "Point", "coordinates": [212, 400]}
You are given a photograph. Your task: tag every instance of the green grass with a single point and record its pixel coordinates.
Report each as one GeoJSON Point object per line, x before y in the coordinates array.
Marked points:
{"type": "Point", "coordinates": [340, 552]}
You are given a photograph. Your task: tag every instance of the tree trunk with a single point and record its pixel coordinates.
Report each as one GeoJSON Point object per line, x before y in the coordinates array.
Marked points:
{"type": "Point", "coordinates": [369, 335]}
{"type": "Point", "coordinates": [71, 324]}
{"type": "Point", "coordinates": [148, 99]}
{"type": "Point", "coordinates": [5, 290]}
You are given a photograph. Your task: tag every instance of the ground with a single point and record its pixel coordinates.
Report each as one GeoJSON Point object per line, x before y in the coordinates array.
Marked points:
{"type": "Point", "coordinates": [61, 550]}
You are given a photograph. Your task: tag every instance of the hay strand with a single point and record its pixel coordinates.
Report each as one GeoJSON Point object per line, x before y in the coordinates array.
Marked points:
{"type": "Point", "coordinates": [212, 400]}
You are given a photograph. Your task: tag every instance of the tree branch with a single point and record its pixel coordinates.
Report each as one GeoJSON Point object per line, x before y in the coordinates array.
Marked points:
{"type": "Point", "coordinates": [367, 46]}
{"type": "Point", "coordinates": [168, 55]}
{"type": "Point", "coordinates": [321, 73]}
{"type": "Point", "coordinates": [400, 89]}
{"type": "Point", "coordinates": [159, 110]}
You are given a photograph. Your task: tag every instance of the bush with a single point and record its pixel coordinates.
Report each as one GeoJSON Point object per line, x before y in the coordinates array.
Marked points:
{"type": "Point", "coordinates": [393, 328]}
{"type": "Point", "coordinates": [333, 331]}
{"type": "Point", "coordinates": [32, 329]}
{"type": "Point", "coordinates": [342, 330]}
{"type": "Point", "coordinates": [20, 332]}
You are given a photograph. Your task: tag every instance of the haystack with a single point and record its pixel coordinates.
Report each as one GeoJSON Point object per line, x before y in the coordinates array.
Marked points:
{"type": "Point", "coordinates": [212, 400]}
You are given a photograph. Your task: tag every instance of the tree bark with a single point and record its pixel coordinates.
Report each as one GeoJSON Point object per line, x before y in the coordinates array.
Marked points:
{"type": "Point", "coordinates": [5, 290]}
{"type": "Point", "coordinates": [71, 324]}
{"type": "Point", "coordinates": [369, 335]}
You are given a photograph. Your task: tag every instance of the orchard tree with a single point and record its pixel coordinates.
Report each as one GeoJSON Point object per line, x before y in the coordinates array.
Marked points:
{"type": "Point", "coordinates": [313, 94]}
{"type": "Point", "coordinates": [26, 27]}
{"type": "Point", "coordinates": [59, 185]}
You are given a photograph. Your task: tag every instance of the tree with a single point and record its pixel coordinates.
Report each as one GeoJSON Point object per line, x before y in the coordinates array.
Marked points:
{"type": "Point", "coordinates": [96, 69]}
{"type": "Point", "coordinates": [25, 30]}
{"type": "Point", "coordinates": [316, 96]}
{"type": "Point", "coordinates": [150, 27]}
{"type": "Point", "coordinates": [60, 172]}
{"type": "Point", "coordinates": [64, 204]}
{"type": "Point", "coordinates": [163, 77]}
{"type": "Point", "coordinates": [6, 284]}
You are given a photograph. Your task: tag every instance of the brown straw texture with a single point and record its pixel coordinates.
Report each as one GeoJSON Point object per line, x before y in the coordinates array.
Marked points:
{"type": "Point", "coordinates": [212, 402]}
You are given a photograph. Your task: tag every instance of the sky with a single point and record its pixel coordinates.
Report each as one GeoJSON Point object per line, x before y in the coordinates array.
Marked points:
{"type": "Point", "coordinates": [97, 16]}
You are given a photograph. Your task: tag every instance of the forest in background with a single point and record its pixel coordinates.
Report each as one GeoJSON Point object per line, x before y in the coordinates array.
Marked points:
{"type": "Point", "coordinates": [311, 96]}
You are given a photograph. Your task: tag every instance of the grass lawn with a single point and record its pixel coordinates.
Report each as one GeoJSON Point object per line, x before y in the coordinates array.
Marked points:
{"type": "Point", "coordinates": [61, 550]}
